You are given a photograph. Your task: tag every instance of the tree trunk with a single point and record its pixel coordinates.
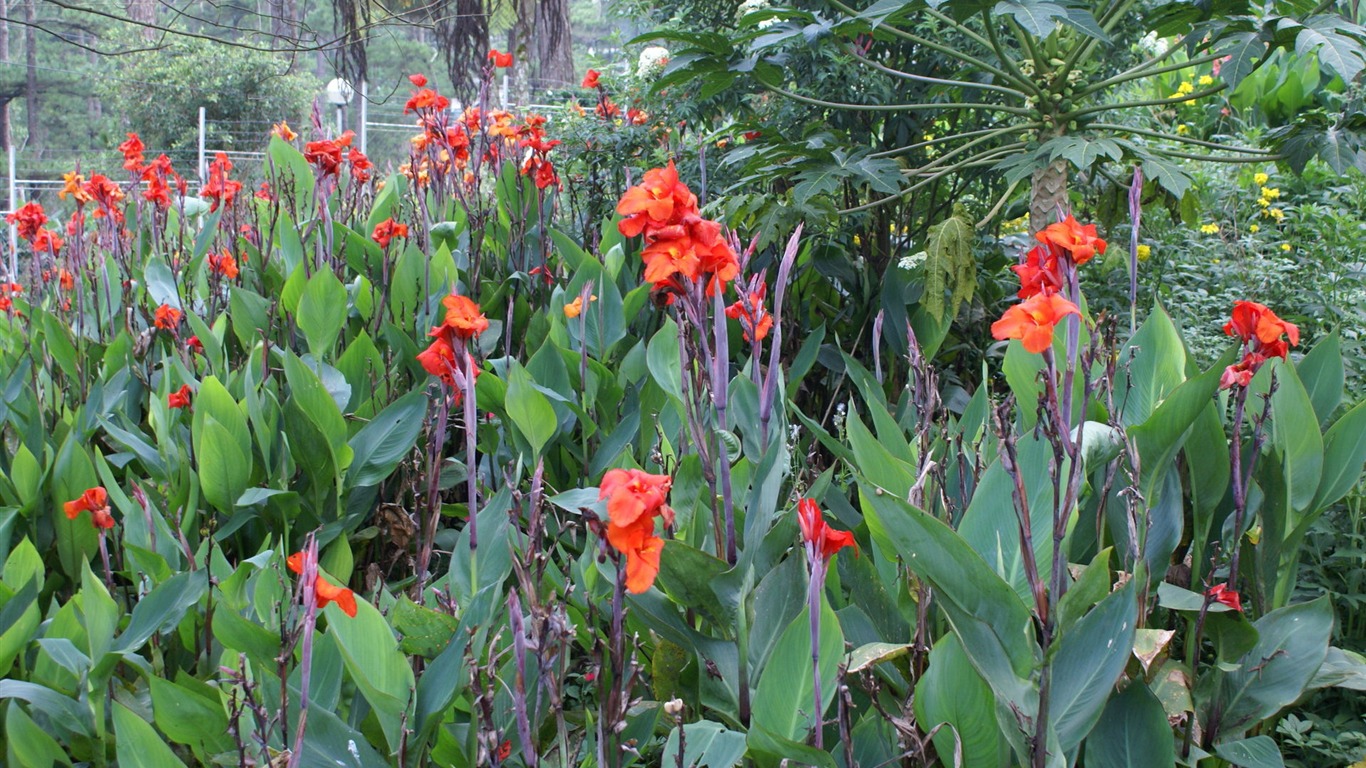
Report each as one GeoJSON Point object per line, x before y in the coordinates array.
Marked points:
{"type": "Point", "coordinates": [32, 102]}
{"type": "Point", "coordinates": [554, 54]}
{"type": "Point", "coordinates": [1048, 196]}
{"type": "Point", "coordinates": [144, 12]}
{"type": "Point", "coordinates": [4, 57]}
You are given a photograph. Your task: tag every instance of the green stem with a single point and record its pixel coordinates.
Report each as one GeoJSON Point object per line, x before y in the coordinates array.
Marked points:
{"type": "Point", "coordinates": [1006, 61]}
{"type": "Point", "coordinates": [944, 49]}
{"type": "Point", "coordinates": [1145, 103]}
{"type": "Point", "coordinates": [958, 137]}
{"type": "Point", "coordinates": [1175, 137]}
{"type": "Point", "coordinates": [934, 80]}
{"type": "Point", "coordinates": [888, 107]}
{"type": "Point", "coordinates": [1144, 70]}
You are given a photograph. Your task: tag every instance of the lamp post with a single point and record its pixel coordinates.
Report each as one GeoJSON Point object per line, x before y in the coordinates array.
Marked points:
{"type": "Point", "coordinates": [339, 93]}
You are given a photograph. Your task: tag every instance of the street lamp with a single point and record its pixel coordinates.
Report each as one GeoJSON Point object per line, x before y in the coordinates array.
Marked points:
{"type": "Point", "coordinates": [339, 93]}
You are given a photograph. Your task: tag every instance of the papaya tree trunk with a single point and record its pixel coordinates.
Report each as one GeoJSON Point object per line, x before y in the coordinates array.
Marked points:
{"type": "Point", "coordinates": [1048, 195]}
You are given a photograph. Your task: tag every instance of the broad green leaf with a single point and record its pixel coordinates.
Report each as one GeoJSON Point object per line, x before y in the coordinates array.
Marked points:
{"type": "Point", "coordinates": [686, 576]}
{"type": "Point", "coordinates": [529, 409]}
{"type": "Point", "coordinates": [1256, 752]}
{"type": "Point", "coordinates": [986, 613]}
{"type": "Point", "coordinates": [1322, 374]}
{"type": "Point", "coordinates": [139, 745]}
{"type": "Point", "coordinates": [784, 701]}
{"type": "Point", "coordinates": [1088, 660]}
{"type": "Point", "coordinates": [188, 718]}
{"type": "Point", "coordinates": [1291, 646]}
{"type": "Point", "coordinates": [163, 608]}
{"type": "Point", "coordinates": [1132, 732]}
{"type": "Point", "coordinates": [1344, 453]}
{"type": "Point", "coordinates": [380, 445]}
{"type": "Point", "coordinates": [322, 311]}
{"type": "Point", "coordinates": [764, 743]}
{"type": "Point", "coordinates": [951, 691]}
{"type": "Point", "coordinates": [63, 710]}
{"type": "Point", "coordinates": [1294, 432]}
{"type": "Point", "coordinates": [224, 469]}
{"type": "Point", "coordinates": [375, 662]}
{"type": "Point", "coordinates": [1158, 366]}
{"type": "Point", "coordinates": [27, 743]}
{"type": "Point", "coordinates": [662, 357]}
{"type": "Point", "coordinates": [705, 744]}
{"type": "Point", "coordinates": [425, 632]}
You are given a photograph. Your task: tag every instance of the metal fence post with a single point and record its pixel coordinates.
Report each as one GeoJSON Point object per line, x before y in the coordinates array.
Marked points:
{"type": "Point", "coordinates": [364, 112]}
{"type": "Point", "coordinates": [203, 170]}
{"type": "Point", "coordinates": [13, 232]}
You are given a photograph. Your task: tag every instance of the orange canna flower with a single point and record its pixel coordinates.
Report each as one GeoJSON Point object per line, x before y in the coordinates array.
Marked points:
{"type": "Point", "coordinates": [418, 81]}
{"type": "Point", "coordinates": [634, 499]}
{"type": "Point", "coordinates": [73, 184]}
{"type": "Point", "coordinates": [1040, 273]}
{"type": "Point", "coordinates": [653, 201]}
{"type": "Point", "coordinates": [463, 317]}
{"type": "Point", "coordinates": [825, 541]}
{"type": "Point", "coordinates": [167, 317]}
{"type": "Point", "coordinates": [755, 321]}
{"type": "Point", "coordinates": [590, 80]}
{"type": "Point", "coordinates": [28, 220]}
{"type": "Point", "coordinates": [179, 398]}
{"type": "Point", "coordinates": [133, 159]}
{"type": "Point", "coordinates": [67, 280]}
{"type": "Point", "coordinates": [574, 308]}
{"type": "Point", "coordinates": [224, 264]}
{"type": "Point", "coordinates": [324, 591]}
{"type": "Point", "coordinates": [283, 130]}
{"type": "Point", "coordinates": [500, 59]}
{"type": "Point", "coordinates": [1032, 321]}
{"type": "Point", "coordinates": [1078, 241]}
{"type": "Point", "coordinates": [96, 502]}
{"type": "Point", "coordinates": [387, 230]}
{"type": "Point", "coordinates": [1260, 331]}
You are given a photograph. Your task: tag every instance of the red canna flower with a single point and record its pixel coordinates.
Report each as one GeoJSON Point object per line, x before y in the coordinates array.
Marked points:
{"type": "Point", "coordinates": [167, 317]}
{"type": "Point", "coordinates": [360, 165]}
{"type": "Point", "coordinates": [179, 398]}
{"type": "Point", "coordinates": [48, 242]}
{"type": "Point", "coordinates": [463, 317]}
{"type": "Point", "coordinates": [500, 59]}
{"type": "Point", "coordinates": [752, 135]}
{"type": "Point", "coordinates": [1032, 321]}
{"type": "Point", "coordinates": [418, 81]}
{"type": "Point", "coordinates": [590, 80]}
{"type": "Point", "coordinates": [132, 153]}
{"type": "Point", "coordinates": [388, 230]}
{"type": "Point", "coordinates": [28, 220]}
{"type": "Point", "coordinates": [1222, 594]}
{"type": "Point", "coordinates": [96, 502]}
{"type": "Point", "coordinates": [1070, 237]}
{"type": "Point", "coordinates": [195, 345]}
{"type": "Point", "coordinates": [505, 749]}
{"type": "Point", "coordinates": [1260, 332]}
{"type": "Point", "coordinates": [1040, 273]}
{"type": "Point", "coordinates": [326, 154]}
{"type": "Point", "coordinates": [223, 264]}
{"type": "Point", "coordinates": [755, 321]}
{"type": "Point", "coordinates": [425, 99]}
{"type": "Point", "coordinates": [220, 189]}
{"type": "Point", "coordinates": [678, 241]}
{"type": "Point", "coordinates": [607, 109]}
{"type": "Point", "coordinates": [66, 280]}
{"type": "Point", "coordinates": [636, 116]}
{"type": "Point", "coordinates": [823, 540]}
{"type": "Point", "coordinates": [325, 591]}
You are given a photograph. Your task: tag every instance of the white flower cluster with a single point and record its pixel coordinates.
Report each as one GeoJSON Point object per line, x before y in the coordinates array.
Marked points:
{"type": "Point", "coordinates": [652, 61]}
{"type": "Point", "coordinates": [913, 260]}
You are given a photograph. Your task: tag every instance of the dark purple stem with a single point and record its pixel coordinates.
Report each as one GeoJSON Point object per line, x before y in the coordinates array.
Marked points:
{"type": "Point", "coordinates": [769, 393]}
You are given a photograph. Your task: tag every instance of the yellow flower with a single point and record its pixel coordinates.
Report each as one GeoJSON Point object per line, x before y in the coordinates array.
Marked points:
{"type": "Point", "coordinates": [1260, 179]}
{"type": "Point", "coordinates": [1209, 229]}
{"type": "Point", "coordinates": [858, 241]}
{"type": "Point", "coordinates": [1182, 129]}
{"type": "Point", "coordinates": [1271, 194]}
{"type": "Point", "coordinates": [1185, 87]}
{"type": "Point", "coordinates": [1254, 229]}
{"type": "Point", "coordinates": [1285, 247]}
{"type": "Point", "coordinates": [1205, 80]}
{"type": "Point", "coordinates": [1263, 202]}
{"type": "Point", "coordinates": [1276, 213]}
{"type": "Point", "coordinates": [1144, 251]}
